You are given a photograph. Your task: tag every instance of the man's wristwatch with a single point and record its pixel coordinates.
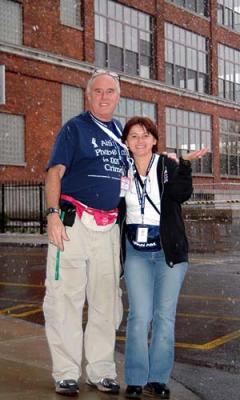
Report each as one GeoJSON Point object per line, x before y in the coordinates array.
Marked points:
{"type": "Point", "coordinates": [52, 210]}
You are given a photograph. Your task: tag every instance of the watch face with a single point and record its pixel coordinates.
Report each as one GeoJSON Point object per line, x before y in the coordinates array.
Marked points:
{"type": "Point", "coordinates": [52, 210]}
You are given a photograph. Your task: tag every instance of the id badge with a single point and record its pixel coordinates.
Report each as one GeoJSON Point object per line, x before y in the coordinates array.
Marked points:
{"type": "Point", "coordinates": [124, 185]}
{"type": "Point", "coordinates": [142, 234]}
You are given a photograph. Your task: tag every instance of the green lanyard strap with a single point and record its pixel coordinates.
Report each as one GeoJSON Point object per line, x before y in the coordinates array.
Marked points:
{"type": "Point", "coordinates": [57, 268]}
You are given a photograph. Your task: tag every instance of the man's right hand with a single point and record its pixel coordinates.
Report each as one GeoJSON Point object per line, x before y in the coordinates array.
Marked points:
{"type": "Point", "coordinates": [56, 231]}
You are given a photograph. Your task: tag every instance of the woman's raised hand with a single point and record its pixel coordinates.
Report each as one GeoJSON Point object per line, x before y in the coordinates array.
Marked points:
{"type": "Point", "coordinates": [195, 154]}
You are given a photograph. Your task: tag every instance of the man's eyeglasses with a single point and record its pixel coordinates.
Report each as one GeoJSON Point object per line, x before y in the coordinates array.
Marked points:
{"type": "Point", "coordinates": [105, 72]}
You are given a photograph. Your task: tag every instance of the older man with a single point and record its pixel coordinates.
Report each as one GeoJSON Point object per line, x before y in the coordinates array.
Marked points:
{"type": "Point", "coordinates": [86, 176]}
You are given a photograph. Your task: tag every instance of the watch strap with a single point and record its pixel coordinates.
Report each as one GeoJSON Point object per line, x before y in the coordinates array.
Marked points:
{"type": "Point", "coordinates": [52, 210]}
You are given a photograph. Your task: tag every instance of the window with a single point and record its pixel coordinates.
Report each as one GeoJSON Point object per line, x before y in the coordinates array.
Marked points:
{"type": "Point", "coordinates": [229, 14]}
{"type": "Point", "coordinates": [186, 59]}
{"type": "Point", "coordinates": [198, 6]}
{"type": "Point", "coordinates": [230, 147]}
{"type": "Point", "coordinates": [72, 102]}
{"type": "Point", "coordinates": [123, 39]}
{"type": "Point", "coordinates": [70, 13]}
{"type": "Point", "coordinates": [189, 131]}
{"type": "Point", "coordinates": [10, 22]}
{"type": "Point", "coordinates": [228, 73]}
{"type": "Point", "coordinates": [127, 108]}
{"type": "Point", "coordinates": [11, 139]}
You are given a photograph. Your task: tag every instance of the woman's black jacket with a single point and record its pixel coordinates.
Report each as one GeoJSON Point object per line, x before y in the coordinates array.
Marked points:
{"type": "Point", "coordinates": [175, 187]}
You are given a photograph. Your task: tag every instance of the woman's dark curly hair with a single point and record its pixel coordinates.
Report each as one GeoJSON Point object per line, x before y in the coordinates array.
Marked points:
{"type": "Point", "coordinates": [146, 123]}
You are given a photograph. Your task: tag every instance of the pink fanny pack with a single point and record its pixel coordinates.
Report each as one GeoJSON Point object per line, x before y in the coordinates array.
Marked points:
{"type": "Point", "coordinates": [101, 217]}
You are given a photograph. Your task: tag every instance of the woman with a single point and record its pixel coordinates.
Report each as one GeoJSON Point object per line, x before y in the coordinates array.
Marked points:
{"type": "Point", "coordinates": [156, 257]}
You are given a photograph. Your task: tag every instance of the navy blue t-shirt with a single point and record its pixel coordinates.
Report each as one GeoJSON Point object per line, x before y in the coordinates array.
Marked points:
{"type": "Point", "coordinates": [94, 162]}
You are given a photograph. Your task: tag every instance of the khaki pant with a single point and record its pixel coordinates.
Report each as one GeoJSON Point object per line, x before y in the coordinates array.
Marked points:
{"type": "Point", "coordinates": [89, 268]}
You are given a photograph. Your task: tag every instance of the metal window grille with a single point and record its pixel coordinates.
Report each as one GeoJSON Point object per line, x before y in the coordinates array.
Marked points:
{"type": "Point", "coordinates": [10, 22]}
{"type": "Point", "coordinates": [72, 102]}
{"type": "Point", "coordinates": [11, 139]}
{"type": "Point", "coordinates": [70, 12]}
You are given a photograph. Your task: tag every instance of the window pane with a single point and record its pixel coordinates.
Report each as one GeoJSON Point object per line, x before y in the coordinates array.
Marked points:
{"type": "Point", "coordinates": [237, 93]}
{"type": "Point", "coordinates": [237, 22]}
{"type": "Point", "coordinates": [202, 67]}
{"type": "Point", "coordinates": [122, 106]}
{"type": "Point", "coordinates": [10, 22]}
{"type": "Point", "coordinates": [70, 12]}
{"type": "Point", "coordinates": [202, 83]}
{"type": "Point", "coordinates": [233, 165]}
{"type": "Point", "coordinates": [189, 135]}
{"type": "Point", "coordinates": [179, 2]}
{"type": "Point", "coordinates": [134, 18]}
{"type": "Point", "coordinates": [128, 108]}
{"type": "Point", "coordinates": [11, 139]}
{"type": "Point", "coordinates": [111, 9]}
{"type": "Point", "coordinates": [180, 58]}
{"type": "Point", "coordinates": [169, 74]}
{"type": "Point", "coordinates": [145, 45]}
{"type": "Point", "coordinates": [229, 90]}
{"type": "Point", "coordinates": [100, 28]}
{"type": "Point", "coordinates": [127, 15]}
{"type": "Point", "coordinates": [220, 13]}
{"type": "Point", "coordinates": [171, 137]}
{"type": "Point", "coordinates": [229, 147]}
{"type": "Point", "coordinates": [180, 77]}
{"type": "Point", "coordinates": [224, 164]}
{"type": "Point", "coordinates": [100, 54]}
{"type": "Point", "coordinates": [115, 58]}
{"type": "Point", "coordinates": [144, 71]}
{"type": "Point", "coordinates": [207, 163]}
{"type": "Point", "coordinates": [169, 51]}
{"type": "Point", "coordinates": [131, 63]}
{"type": "Point", "coordinates": [72, 102]}
{"type": "Point", "coordinates": [192, 80]}
{"type": "Point", "coordinates": [188, 54]}
{"type": "Point", "coordinates": [192, 59]}
{"type": "Point", "coordinates": [101, 6]}
{"type": "Point", "coordinates": [191, 4]}
{"type": "Point", "coordinates": [202, 7]}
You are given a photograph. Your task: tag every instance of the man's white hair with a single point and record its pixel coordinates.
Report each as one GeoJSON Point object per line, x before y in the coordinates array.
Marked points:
{"type": "Point", "coordinates": [96, 74]}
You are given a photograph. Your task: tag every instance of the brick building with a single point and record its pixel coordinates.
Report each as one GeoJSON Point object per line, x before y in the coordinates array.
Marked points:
{"type": "Point", "coordinates": [178, 60]}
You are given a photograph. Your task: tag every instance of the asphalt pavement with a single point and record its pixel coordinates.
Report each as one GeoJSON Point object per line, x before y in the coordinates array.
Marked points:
{"type": "Point", "coordinates": [25, 364]}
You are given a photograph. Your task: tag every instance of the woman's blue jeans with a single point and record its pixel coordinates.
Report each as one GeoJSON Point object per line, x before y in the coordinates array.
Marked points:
{"type": "Point", "coordinates": [153, 290]}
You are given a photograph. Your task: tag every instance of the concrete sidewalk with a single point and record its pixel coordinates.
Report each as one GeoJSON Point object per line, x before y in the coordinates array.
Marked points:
{"type": "Point", "coordinates": [25, 364]}
{"type": "Point", "coordinates": [25, 367]}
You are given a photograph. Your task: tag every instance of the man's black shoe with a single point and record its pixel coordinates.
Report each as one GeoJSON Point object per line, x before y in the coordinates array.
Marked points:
{"type": "Point", "coordinates": [157, 389]}
{"type": "Point", "coordinates": [67, 387]}
{"type": "Point", "coordinates": [133, 392]}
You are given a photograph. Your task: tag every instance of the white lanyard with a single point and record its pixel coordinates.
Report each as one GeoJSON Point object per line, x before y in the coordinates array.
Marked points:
{"type": "Point", "coordinates": [109, 132]}
{"type": "Point", "coordinates": [114, 138]}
